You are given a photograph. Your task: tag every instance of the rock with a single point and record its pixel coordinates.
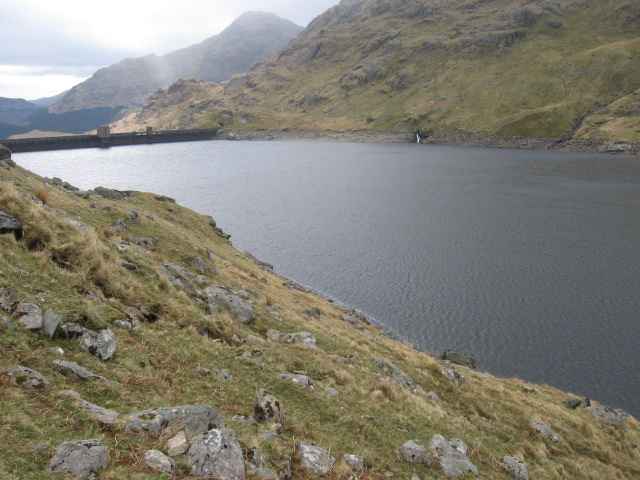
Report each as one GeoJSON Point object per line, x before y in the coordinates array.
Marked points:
{"type": "Point", "coordinates": [105, 416]}
{"type": "Point", "coordinates": [355, 462]}
{"type": "Point", "coordinates": [303, 380]}
{"type": "Point", "coordinates": [274, 335]}
{"type": "Point", "coordinates": [433, 396]}
{"type": "Point", "coordinates": [101, 344]}
{"type": "Point", "coordinates": [303, 338]}
{"type": "Point", "coordinates": [143, 242]}
{"type": "Point", "coordinates": [30, 316]}
{"type": "Point", "coordinates": [614, 417]}
{"type": "Point", "coordinates": [129, 266]}
{"type": "Point", "coordinates": [109, 194]}
{"type": "Point", "coordinates": [454, 376]}
{"type": "Point", "coordinates": [72, 330]}
{"type": "Point", "coordinates": [412, 452]}
{"type": "Point", "coordinates": [267, 408]}
{"type": "Point", "coordinates": [51, 322]}
{"type": "Point", "coordinates": [573, 402]}
{"type": "Point", "coordinates": [313, 313]}
{"type": "Point", "coordinates": [224, 374]}
{"type": "Point", "coordinates": [221, 299]}
{"type": "Point", "coordinates": [191, 426]}
{"type": "Point", "coordinates": [198, 264]}
{"type": "Point", "coordinates": [40, 448]}
{"type": "Point", "coordinates": [26, 378]}
{"type": "Point", "coordinates": [177, 445]}
{"type": "Point", "coordinates": [452, 456]}
{"type": "Point", "coordinates": [164, 198]}
{"type": "Point", "coordinates": [460, 359]}
{"type": "Point", "coordinates": [528, 388]}
{"type": "Point", "coordinates": [397, 375]}
{"type": "Point", "coordinates": [133, 217]}
{"type": "Point", "coordinates": [544, 429]}
{"type": "Point", "coordinates": [266, 434]}
{"type": "Point", "coordinates": [66, 368]}
{"type": "Point", "coordinates": [8, 298]}
{"type": "Point", "coordinates": [154, 420]}
{"type": "Point", "coordinates": [218, 454]}
{"type": "Point", "coordinates": [262, 472]}
{"type": "Point", "coordinates": [344, 360]}
{"type": "Point", "coordinates": [242, 420]}
{"type": "Point", "coordinates": [81, 458]}
{"type": "Point", "coordinates": [119, 226]}
{"type": "Point", "coordinates": [123, 324]}
{"type": "Point", "coordinates": [160, 462]}
{"type": "Point", "coordinates": [516, 468]}
{"type": "Point", "coordinates": [314, 459]}
{"type": "Point", "coordinates": [7, 324]}
{"type": "Point", "coordinates": [331, 391]}
{"type": "Point", "coordinates": [10, 224]}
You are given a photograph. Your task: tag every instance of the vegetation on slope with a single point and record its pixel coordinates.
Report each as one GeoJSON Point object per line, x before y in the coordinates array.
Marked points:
{"type": "Point", "coordinates": [70, 259]}
{"type": "Point", "coordinates": [532, 68]}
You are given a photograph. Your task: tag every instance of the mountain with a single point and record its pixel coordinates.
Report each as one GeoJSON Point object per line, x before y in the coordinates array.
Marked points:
{"type": "Point", "coordinates": [532, 68]}
{"type": "Point", "coordinates": [14, 111]}
{"type": "Point", "coordinates": [252, 37]}
{"type": "Point", "coordinates": [46, 101]}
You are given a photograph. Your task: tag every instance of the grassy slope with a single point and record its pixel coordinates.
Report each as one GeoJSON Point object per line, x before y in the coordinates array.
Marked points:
{"type": "Point", "coordinates": [157, 363]}
{"type": "Point", "coordinates": [464, 70]}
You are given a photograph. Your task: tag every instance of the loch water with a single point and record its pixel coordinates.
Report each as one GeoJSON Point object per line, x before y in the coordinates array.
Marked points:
{"type": "Point", "coordinates": [527, 260]}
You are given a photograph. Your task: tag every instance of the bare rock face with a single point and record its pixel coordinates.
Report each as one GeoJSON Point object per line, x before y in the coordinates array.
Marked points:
{"type": "Point", "coordinates": [26, 378]}
{"type": "Point", "coordinates": [267, 408]}
{"type": "Point", "coordinates": [80, 458]}
{"type": "Point", "coordinates": [217, 454]}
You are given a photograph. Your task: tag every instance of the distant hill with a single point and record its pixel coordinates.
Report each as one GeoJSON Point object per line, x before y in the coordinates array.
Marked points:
{"type": "Point", "coordinates": [46, 101]}
{"type": "Point", "coordinates": [533, 68]}
{"type": "Point", "coordinates": [252, 37]}
{"type": "Point", "coordinates": [14, 111]}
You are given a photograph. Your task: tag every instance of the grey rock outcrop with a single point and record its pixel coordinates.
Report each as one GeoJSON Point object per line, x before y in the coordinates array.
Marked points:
{"type": "Point", "coordinates": [103, 415]}
{"type": "Point", "coordinates": [67, 368]}
{"type": "Point", "coordinates": [454, 376]}
{"type": "Point", "coordinates": [397, 375]}
{"type": "Point", "coordinates": [102, 344]}
{"type": "Point", "coordinates": [355, 462]}
{"type": "Point", "coordinates": [178, 444]}
{"type": "Point", "coordinates": [460, 359]}
{"type": "Point", "coordinates": [30, 316]}
{"type": "Point", "coordinates": [222, 299]}
{"type": "Point", "coordinates": [312, 312]}
{"type": "Point", "coordinates": [51, 322]}
{"type": "Point", "coordinates": [267, 408]}
{"type": "Point", "coordinates": [545, 430]}
{"type": "Point", "coordinates": [314, 459]}
{"type": "Point", "coordinates": [190, 426]}
{"type": "Point", "coordinates": [8, 298]}
{"type": "Point", "coordinates": [451, 456]}
{"type": "Point", "coordinates": [516, 468]}
{"type": "Point", "coordinates": [160, 462]}
{"type": "Point", "coordinates": [614, 417]}
{"type": "Point", "coordinates": [10, 224]}
{"type": "Point", "coordinates": [80, 458]}
{"type": "Point", "coordinates": [302, 338]}
{"type": "Point", "coordinates": [7, 324]}
{"type": "Point", "coordinates": [412, 452]}
{"type": "Point", "coordinates": [217, 454]}
{"type": "Point", "coordinates": [26, 378]}
{"type": "Point", "coordinates": [303, 380]}
{"type": "Point", "coordinates": [154, 420]}
{"type": "Point", "coordinates": [110, 194]}
{"type": "Point", "coordinates": [265, 473]}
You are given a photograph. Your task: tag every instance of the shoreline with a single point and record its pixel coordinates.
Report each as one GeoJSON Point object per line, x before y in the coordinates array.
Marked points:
{"type": "Point", "coordinates": [459, 140]}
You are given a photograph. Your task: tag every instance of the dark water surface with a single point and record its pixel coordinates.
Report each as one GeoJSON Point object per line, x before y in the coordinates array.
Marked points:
{"type": "Point", "coordinates": [527, 260]}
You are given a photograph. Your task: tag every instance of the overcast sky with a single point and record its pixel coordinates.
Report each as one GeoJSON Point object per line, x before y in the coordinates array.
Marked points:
{"type": "Point", "coordinates": [48, 46]}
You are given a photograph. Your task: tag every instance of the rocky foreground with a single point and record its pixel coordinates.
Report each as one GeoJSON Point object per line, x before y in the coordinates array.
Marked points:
{"type": "Point", "coordinates": [136, 342]}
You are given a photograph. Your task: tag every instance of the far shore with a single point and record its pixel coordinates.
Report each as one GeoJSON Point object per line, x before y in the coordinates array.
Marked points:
{"type": "Point", "coordinates": [461, 140]}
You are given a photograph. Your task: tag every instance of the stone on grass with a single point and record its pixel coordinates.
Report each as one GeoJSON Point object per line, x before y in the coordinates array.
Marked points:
{"type": "Point", "coordinates": [80, 458]}
{"type": "Point", "coordinates": [302, 338]}
{"type": "Point", "coordinates": [8, 298]}
{"type": "Point", "coordinates": [191, 426]}
{"type": "Point", "coordinates": [26, 378]}
{"type": "Point", "coordinates": [154, 420]}
{"type": "Point", "coordinates": [264, 473]}
{"type": "Point", "coordinates": [82, 373]}
{"type": "Point", "coordinates": [433, 396]}
{"type": "Point", "coordinates": [454, 376]}
{"type": "Point", "coordinates": [412, 452]}
{"type": "Point", "coordinates": [516, 468]}
{"type": "Point", "coordinates": [452, 456]}
{"type": "Point", "coordinates": [242, 420]}
{"type": "Point", "coordinates": [267, 408]}
{"type": "Point", "coordinates": [160, 462]}
{"type": "Point", "coordinates": [101, 344]}
{"type": "Point", "coordinates": [30, 316]}
{"type": "Point", "coordinates": [51, 322]}
{"type": "Point", "coordinates": [303, 380]}
{"type": "Point", "coordinates": [313, 312]}
{"type": "Point", "coordinates": [224, 374]}
{"type": "Point", "coordinates": [217, 454]}
{"type": "Point", "coordinates": [355, 462]}
{"type": "Point", "coordinates": [460, 359]}
{"type": "Point", "coordinates": [331, 391]}
{"type": "Point", "coordinates": [220, 299]}
{"type": "Point", "coordinates": [10, 224]}
{"type": "Point", "coordinates": [545, 430]}
{"type": "Point", "coordinates": [314, 459]}
{"type": "Point", "coordinates": [397, 375]}
{"type": "Point", "coordinates": [614, 417]}
{"type": "Point", "coordinates": [7, 324]}
{"type": "Point", "coordinates": [103, 415]}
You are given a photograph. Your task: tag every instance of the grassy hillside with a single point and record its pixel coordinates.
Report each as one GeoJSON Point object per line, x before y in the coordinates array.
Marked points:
{"type": "Point", "coordinates": [75, 257]}
{"type": "Point", "coordinates": [532, 68]}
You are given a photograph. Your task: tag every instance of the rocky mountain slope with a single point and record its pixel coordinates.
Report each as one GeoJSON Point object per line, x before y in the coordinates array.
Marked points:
{"type": "Point", "coordinates": [136, 343]}
{"type": "Point", "coordinates": [533, 68]}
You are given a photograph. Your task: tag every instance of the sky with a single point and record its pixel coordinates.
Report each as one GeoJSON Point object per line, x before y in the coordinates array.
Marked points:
{"type": "Point", "coordinates": [48, 46]}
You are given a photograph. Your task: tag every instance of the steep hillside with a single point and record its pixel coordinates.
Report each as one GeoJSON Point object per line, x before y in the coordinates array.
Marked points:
{"type": "Point", "coordinates": [534, 68]}
{"type": "Point", "coordinates": [148, 307]}
{"type": "Point", "coordinates": [14, 111]}
{"type": "Point", "coordinates": [252, 37]}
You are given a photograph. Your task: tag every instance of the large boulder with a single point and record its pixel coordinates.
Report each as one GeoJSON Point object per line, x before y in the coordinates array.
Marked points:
{"type": "Point", "coordinates": [81, 458]}
{"type": "Point", "coordinates": [29, 316]}
{"type": "Point", "coordinates": [51, 322]}
{"type": "Point", "coordinates": [154, 420]}
{"type": "Point", "coordinates": [10, 224]}
{"type": "Point", "coordinates": [217, 454]}
{"type": "Point", "coordinates": [303, 338]}
{"type": "Point", "coordinates": [267, 408]}
{"type": "Point", "coordinates": [516, 468]}
{"type": "Point", "coordinates": [102, 344]}
{"type": "Point", "coordinates": [452, 456]}
{"type": "Point", "coordinates": [614, 417]}
{"type": "Point", "coordinates": [314, 459]}
{"type": "Point", "coordinates": [220, 299]}
{"type": "Point", "coordinates": [412, 452]}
